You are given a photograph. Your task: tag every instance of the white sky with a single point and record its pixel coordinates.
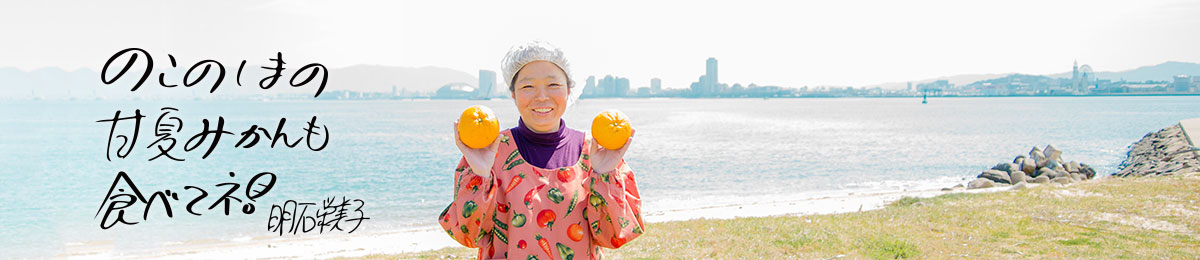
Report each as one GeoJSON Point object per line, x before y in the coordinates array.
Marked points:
{"type": "Point", "coordinates": [771, 43]}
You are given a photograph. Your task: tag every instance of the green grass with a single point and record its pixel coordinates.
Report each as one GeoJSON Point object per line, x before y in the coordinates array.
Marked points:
{"type": "Point", "coordinates": [905, 201]}
{"type": "Point", "coordinates": [1076, 242]}
{"type": "Point", "coordinates": [1115, 218]}
{"type": "Point", "coordinates": [888, 248]}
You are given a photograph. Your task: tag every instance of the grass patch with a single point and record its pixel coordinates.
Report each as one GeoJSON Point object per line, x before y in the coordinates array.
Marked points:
{"type": "Point", "coordinates": [889, 248]}
{"type": "Point", "coordinates": [1076, 242]}
{"type": "Point", "coordinates": [904, 201]}
{"type": "Point", "coordinates": [1000, 234]}
{"type": "Point", "coordinates": [1091, 220]}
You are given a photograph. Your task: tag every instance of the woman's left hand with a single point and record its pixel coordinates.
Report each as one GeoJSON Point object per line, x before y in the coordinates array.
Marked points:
{"type": "Point", "coordinates": [605, 160]}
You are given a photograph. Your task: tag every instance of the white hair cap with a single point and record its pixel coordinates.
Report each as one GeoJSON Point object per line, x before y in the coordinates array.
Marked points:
{"type": "Point", "coordinates": [523, 54]}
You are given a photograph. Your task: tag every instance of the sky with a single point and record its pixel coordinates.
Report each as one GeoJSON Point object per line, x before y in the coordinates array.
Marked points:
{"type": "Point", "coordinates": [784, 43]}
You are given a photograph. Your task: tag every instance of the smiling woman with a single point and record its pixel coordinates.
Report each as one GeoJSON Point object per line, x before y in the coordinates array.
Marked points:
{"type": "Point", "coordinates": [551, 174]}
{"type": "Point", "coordinates": [541, 95]}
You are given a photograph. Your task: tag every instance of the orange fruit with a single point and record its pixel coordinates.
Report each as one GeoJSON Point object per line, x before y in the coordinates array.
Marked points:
{"type": "Point", "coordinates": [611, 129]}
{"type": "Point", "coordinates": [478, 127]}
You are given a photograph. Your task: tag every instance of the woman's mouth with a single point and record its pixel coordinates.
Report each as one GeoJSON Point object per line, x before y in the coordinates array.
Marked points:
{"type": "Point", "coordinates": [542, 110]}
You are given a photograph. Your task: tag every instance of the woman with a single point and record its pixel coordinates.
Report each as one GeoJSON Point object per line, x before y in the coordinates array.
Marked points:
{"type": "Point", "coordinates": [549, 192]}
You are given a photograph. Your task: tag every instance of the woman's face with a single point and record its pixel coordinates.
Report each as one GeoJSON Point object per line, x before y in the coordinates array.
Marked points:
{"type": "Point", "coordinates": [541, 91]}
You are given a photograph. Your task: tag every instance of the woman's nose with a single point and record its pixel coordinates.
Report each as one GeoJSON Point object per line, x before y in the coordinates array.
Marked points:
{"type": "Point", "coordinates": [540, 94]}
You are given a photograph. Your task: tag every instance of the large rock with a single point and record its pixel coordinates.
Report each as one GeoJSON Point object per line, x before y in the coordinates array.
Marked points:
{"type": "Point", "coordinates": [1049, 173]}
{"type": "Point", "coordinates": [1015, 170]}
{"type": "Point", "coordinates": [1063, 180]}
{"type": "Point", "coordinates": [1060, 173]}
{"type": "Point", "coordinates": [1036, 152]}
{"type": "Point", "coordinates": [1087, 170]}
{"type": "Point", "coordinates": [980, 183]}
{"type": "Point", "coordinates": [1004, 167]}
{"type": "Point", "coordinates": [1041, 179]}
{"type": "Point", "coordinates": [996, 176]}
{"type": "Point", "coordinates": [1009, 168]}
{"type": "Point", "coordinates": [1052, 153]}
{"type": "Point", "coordinates": [1029, 167]}
{"type": "Point", "coordinates": [1020, 186]}
{"type": "Point", "coordinates": [1017, 177]}
{"type": "Point", "coordinates": [1052, 164]}
{"type": "Point", "coordinates": [1072, 166]}
{"type": "Point", "coordinates": [1058, 167]}
{"type": "Point", "coordinates": [1019, 159]}
{"type": "Point", "coordinates": [1040, 160]}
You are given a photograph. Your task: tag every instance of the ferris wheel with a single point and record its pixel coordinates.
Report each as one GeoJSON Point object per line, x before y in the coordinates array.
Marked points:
{"type": "Point", "coordinates": [1086, 74]}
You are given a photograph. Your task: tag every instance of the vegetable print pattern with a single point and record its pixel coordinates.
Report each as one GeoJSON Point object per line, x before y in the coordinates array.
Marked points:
{"type": "Point", "coordinates": [526, 212]}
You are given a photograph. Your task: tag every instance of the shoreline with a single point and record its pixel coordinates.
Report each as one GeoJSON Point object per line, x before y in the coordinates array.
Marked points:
{"type": "Point", "coordinates": [1110, 217]}
{"type": "Point", "coordinates": [863, 197]}
{"type": "Point", "coordinates": [428, 238]}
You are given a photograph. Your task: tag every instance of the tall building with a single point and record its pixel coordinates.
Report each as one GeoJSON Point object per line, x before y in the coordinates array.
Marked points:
{"type": "Point", "coordinates": [698, 87]}
{"type": "Point", "coordinates": [710, 73]}
{"type": "Point", "coordinates": [487, 84]}
{"type": "Point", "coordinates": [605, 87]}
{"type": "Point", "coordinates": [708, 84]}
{"type": "Point", "coordinates": [610, 86]}
{"type": "Point", "coordinates": [589, 88]}
{"type": "Point", "coordinates": [622, 87]}
{"type": "Point", "coordinates": [1183, 83]}
{"type": "Point", "coordinates": [655, 85]}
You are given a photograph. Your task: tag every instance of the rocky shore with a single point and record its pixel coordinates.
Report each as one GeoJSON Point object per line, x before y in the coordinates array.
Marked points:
{"type": "Point", "coordinates": [1164, 152]}
{"type": "Point", "coordinates": [1040, 166]}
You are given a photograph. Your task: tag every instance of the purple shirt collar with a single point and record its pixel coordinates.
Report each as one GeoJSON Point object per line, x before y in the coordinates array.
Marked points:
{"type": "Point", "coordinates": [549, 150]}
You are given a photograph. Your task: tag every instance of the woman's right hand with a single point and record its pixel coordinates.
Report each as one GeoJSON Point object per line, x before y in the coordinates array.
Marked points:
{"type": "Point", "coordinates": [480, 159]}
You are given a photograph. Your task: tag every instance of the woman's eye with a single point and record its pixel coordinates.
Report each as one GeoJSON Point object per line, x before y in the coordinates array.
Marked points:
{"type": "Point", "coordinates": [527, 86]}
{"type": "Point", "coordinates": [555, 85]}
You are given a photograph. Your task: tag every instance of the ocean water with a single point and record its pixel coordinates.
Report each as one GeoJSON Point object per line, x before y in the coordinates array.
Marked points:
{"type": "Point", "coordinates": [398, 156]}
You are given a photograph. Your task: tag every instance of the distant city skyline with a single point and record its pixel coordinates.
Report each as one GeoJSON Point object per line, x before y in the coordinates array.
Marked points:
{"type": "Point", "coordinates": [857, 43]}
{"type": "Point", "coordinates": [1169, 78]}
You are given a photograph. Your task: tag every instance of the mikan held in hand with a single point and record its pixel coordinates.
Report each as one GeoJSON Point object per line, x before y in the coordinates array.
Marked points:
{"type": "Point", "coordinates": [478, 127]}
{"type": "Point", "coordinates": [611, 129]}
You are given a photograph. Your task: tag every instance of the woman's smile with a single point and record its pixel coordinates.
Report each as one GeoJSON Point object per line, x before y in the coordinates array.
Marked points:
{"type": "Point", "coordinates": [540, 92]}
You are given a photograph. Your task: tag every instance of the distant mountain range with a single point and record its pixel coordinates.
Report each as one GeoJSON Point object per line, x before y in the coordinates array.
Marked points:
{"type": "Point", "coordinates": [56, 83]}
{"type": "Point", "coordinates": [1161, 72]}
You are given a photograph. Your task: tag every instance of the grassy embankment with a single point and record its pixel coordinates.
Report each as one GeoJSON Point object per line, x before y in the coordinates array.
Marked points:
{"type": "Point", "coordinates": [1119, 218]}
